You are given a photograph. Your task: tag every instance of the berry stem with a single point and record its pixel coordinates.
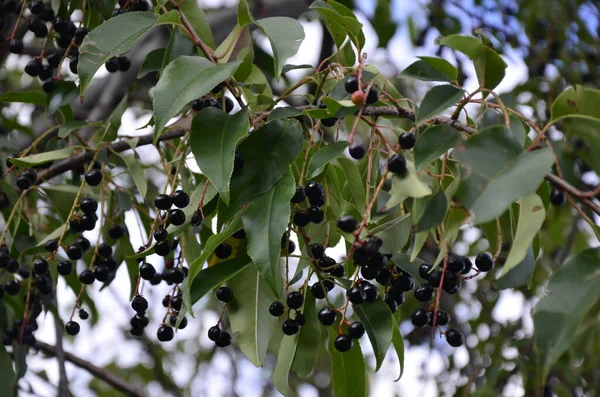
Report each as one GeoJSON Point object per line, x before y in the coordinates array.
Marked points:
{"type": "Point", "coordinates": [438, 294]}
{"type": "Point", "coordinates": [14, 32]}
{"type": "Point", "coordinates": [12, 215]}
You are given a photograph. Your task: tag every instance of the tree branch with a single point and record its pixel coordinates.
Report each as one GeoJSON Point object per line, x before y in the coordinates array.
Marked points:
{"type": "Point", "coordinates": [113, 380]}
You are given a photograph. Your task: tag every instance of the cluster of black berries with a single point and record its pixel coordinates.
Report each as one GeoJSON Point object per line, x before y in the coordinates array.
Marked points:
{"type": "Point", "coordinates": [225, 104]}
{"type": "Point", "coordinates": [130, 6]}
{"type": "Point", "coordinates": [119, 63]}
{"type": "Point", "coordinates": [22, 332]}
{"type": "Point", "coordinates": [72, 327]}
{"type": "Point", "coordinates": [326, 267]}
{"type": "Point", "coordinates": [165, 332]}
{"type": "Point", "coordinates": [175, 216]}
{"type": "Point", "coordinates": [351, 86]}
{"type": "Point", "coordinates": [316, 197]}
{"type": "Point", "coordinates": [295, 301]}
{"type": "Point", "coordinates": [343, 342]}
{"type": "Point", "coordinates": [215, 333]}
{"type": "Point", "coordinates": [287, 245]}
{"type": "Point", "coordinates": [10, 265]}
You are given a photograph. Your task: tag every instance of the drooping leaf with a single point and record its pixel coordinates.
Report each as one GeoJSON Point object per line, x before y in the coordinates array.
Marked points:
{"type": "Point", "coordinates": [519, 274]}
{"type": "Point", "coordinates": [398, 344]}
{"type": "Point", "coordinates": [573, 290]}
{"type": "Point", "coordinates": [7, 373]}
{"type": "Point", "coordinates": [285, 359]}
{"type": "Point", "coordinates": [33, 97]}
{"type": "Point", "coordinates": [434, 211]}
{"type": "Point", "coordinates": [497, 172]}
{"type": "Point", "coordinates": [431, 69]}
{"type": "Point", "coordinates": [134, 166]}
{"type": "Point", "coordinates": [41, 158]}
{"type": "Point", "coordinates": [355, 183]}
{"type": "Point", "coordinates": [437, 100]}
{"type": "Point", "coordinates": [378, 322]}
{"type": "Point", "coordinates": [412, 184]}
{"type": "Point", "coordinates": [348, 371]}
{"type": "Point", "coordinates": [531, 218]}
{"type": "Point", "coordinates": [286, 35]}
{"type": "Point", "coordinates": [213, 276]}
{"type": "Point", "coordinates": [103, 43]}
{"type": "Point", "coordinates": [320, 159]}
{"type": "Point", "coordinates": [249, 313]}
{"type": "Point", "coordinates": [265, 221]}
{"type": "Point", "coordinates": [68, 127]}
{"type": "Point", "coordinates": [309, 339]}
{"type": "Point", "coordinates": [434, 142]}
{"type": "Point", "coordinates": [183, 80]}
{"type": "Point", "coordinates": [340, 22]}
{"type": "Point", "coordinates": [214, 137]}
{"type": "Point", "coordinates": [394, 234]}
{"type": "Point", "coordinates": [152, 63]}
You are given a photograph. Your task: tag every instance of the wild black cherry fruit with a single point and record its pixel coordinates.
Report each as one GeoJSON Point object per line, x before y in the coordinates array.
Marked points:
{"type": "Point", "coordinates": [117, 231]}
{"type": "Point", "coordinates": [356, 295]}
{"type": "Point", "coordinates": [317, 250]}
{"type": "Point", "coordinates": [104, 250]}
{"type": "Point", "coordinates": [93, 177]}
{"type": "Point", "coordinates": [88, 222]}
{"type": "Point", "coordinates": [34, 67]}
{"type": "Point", "coordinates": [165, 333]}
{"type": "Point", "coordinates": [370, 291]}
{"type": "Point", "coordinates": [454, 338]}
{"type": "Point", "coordinates": [290, 327]}
{"type": "Point", "coordinates": [214, 333]}
{"type": "Point", "coordinates": [300, 319]}
{"type": "Point", "coordinates": [139, 304]}
{"type": "Point", "coordinates": [420, 317]}
{"type": "Point", "coordinates": [36, 7]}
{"type": "Point", "coordinates": [356, 330]}
{"type": "Point", "coordinates": [301, 218]}
{"type": "Point", "coordinates": [316, 215]}
{"type": "Point", "coordinates": [467, 265]}
{"type": "Point", "coordinates": [455, 264]}
{"type": "Point", "coordinates": [83, 314]}
{"type": "Point", "coordinates": [182, 324]}
{"type": "Point", "coordinates": [224, 339]}
{"type": "Point", "coordinates": [180, 199]}
{"type": "Point", "coordinates": [225, 294]}
{"type": "Point", "coordinates": [276, 309]}
{"type": "Point", "coordinates": [177, 217]}
{"type": "Point", "coordinates": [424, 293]}
{"type": "Point", "coordinates": [124, 63]}
{"type": "Point", "coordinates": [326, 263]}
{"type": "Point", "coordinates": [41, 266]}
{"type": "Point", "coordinates": [12, 287]}
{"type": "Point", "coordinates": [80, 34]}
{"type": "Point", "coordinates": [23, 183]}
{"type": "Point", "coordinates": [147, 271]}
{"type": "Point", "coordinates": [163, 201]}
{"type": "Point", "coordinates": [299, 195]}
{"type": "Point", "coordinates": [347, 223]}
{"type": "Point", "coordinates": [228, 105]}
{"type": "Point", "coordinates": [64, 268]}
{"type": "Point", "coordinates": [295, 300]}
{"type": "Point", "coordinates": [88, 205]}
{"type": "Point", "coordinates": [357, 151]}
{"type": "Point", "coordinates": [407, 140]}
{"type": "Point", "coordinates": [338, 271]}
{"type": "Point", "coordinates": [238, 163]}
{"type": "Point", "coordinates": [372, 96]}
{"type": "Point", "coordinates": [318, 290]}
{"type": "Point", "coordinates": [197, 219]}
{"type": "Point", "coordinates": [451, 283]}
{"type": "Point", "coordinates": [16, 46]}
{"type": "Point", "coordinates": [435, 278]}
{"type": "Point", "coordinates": [112, 65]}
{"type": "Point", "coordinates": [484, 262]}
{"type": "Point", "coordinates": [223, 251]}
{"type": "Point", "coordinates": [557, 197]}
{"type": "Point", "coordinates": [329, 122]}
{"type": "Point", "coordinates": [291, 247]}
{"type": "Point", "coordinates": [102, 273]}
{"type": "Point", "coordinates": [397, 164]}
{"type": "Point", "coordinates": [397, 295]}
{"type": "Point", "coordinates": [87, 277]}
{"type": "Point", "coordinates": [351, 84]}
{"type": "Point", "coordinates": [314, 189]}
{"type": "Point", "coordinates": [383, 276]}
{"type": "Point", "coordinates": [443, 318]}
{"type": "Point", "coordinates": [72, 328]}
{"type": "Point", "coordinates": [342, 343]}
{"type": "Point", "coordinates": [74, 252]}
{"type": "Point", "coordinates": [51, 245]}
{"type": "Point", "coordinates": [405, 282]}
{"type": "Point", "coordinates": [160, 234]}
{"type": "Point", "coordinates": [368, 272]}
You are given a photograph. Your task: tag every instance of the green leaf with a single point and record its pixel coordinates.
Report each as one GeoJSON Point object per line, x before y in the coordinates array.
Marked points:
{"type": "Point", "coordinates": [379, 324]}
{"type": "Point", "coordinates": [431, 69]}
{"type": "Point", "coordinates": [267, 153]}
{"type": "Point", "coordinates": [285, 360]}
{"type": "Point", "coordinates": [265, 221]}
{"type": "Point", "coordinates": [498, 172]}
{"type": "Point", "coordinates": [434, 211]}
{"type": "Point", "coordinates": [354, 183]}
{"type": "Point", "coordinates": [214, 137]}
{"type": "Point", "coordinates": [531, 218]}
{"type": "Point", "coordinates": [249, 314]}
{"type": "Point", "coordinates": [437, 100]}
{"type": "Point", "coordinates": [573, 290]}
{"type": "Point", "coordinates": [70, 126]}
{"type": "Point", "coordinates": [195, 15]}
{"type": "Point", "coordinates": [33, 97]}
{"type": "Point", "coordinates": [41, 158]}
{"type": "Point", "coordinates": [398, 343]}
{"type": "Point", "coordinates": [433, 143]}
{"type": "Point", "coordinates": [309, 339]}
{"type": "Point", "coordinates": [7, 373]}
{"type": "Point", "coordinates": [348, 371]}
{"type": "Point", "coordinates": [489, 66]}
{"type": "Point", "coordinates": [286, 35]}
{"type": "Point", "coordinates": [340, 21]}
{"type": "Point", "coordinates": [136, 171]}
{"type": "Point", "coordinates": [244, 17]}
{"type": "Point", "coordinates": [394, 234]}
{"type": "Point", "coordinates": [383, 24]}
{"type": "Point", "coordinates": [183, 80]}
{"type": "Point", "coordinates": [214, 276]}
{"type": "Point", "coordinates": [320, 159]}
{"type": "Point", "coordinates": [111, 129]}
{"type": "Point", "coordinates": [520, 274]}
{"type": "Point", "coordinates": [412, 184]}
{"type": "Point", "coordinates": [152, 63]}
{"type": "Point", "coordinates": [65, 93]}
{"type": "Point", "coordinates": [103, 43]}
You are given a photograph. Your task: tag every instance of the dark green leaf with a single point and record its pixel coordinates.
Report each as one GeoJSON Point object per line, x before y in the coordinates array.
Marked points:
{"type": "Point", "coordinates": [36, 159]}
{"type": "Point", "coordinates": [321, 158]}
{"type": "Point", "coordinates": [66, 128]}
{"type": "Point", "coordinates": [265, 221]}
{"type": "Point", "coordinates": [65, 93]}
{"type": "Point", "coordinates": [431, 69]}
{"type": "Point", "coordinates": [348, 371]}
{"type": "Point", "coordinates": [286, 35]}
{"type": "Point", "coordinates": [183, 80]}
{"type": "Point", "coordinates": [434, 142]}
{"type": "Point", "coordinates": [7, 373]}
{"type": "Point", "coordinates": [214, 276]}
{"type": "Point", "coordinates": [308, 341]}
{"type": "Point", "coordinates": [249, 313]}
{"type": "Point", "coordinates": [34, 97]}
{"type": "Point", "coordinates": [520, 274]}
{"type": "Point", "coordinates": [573, 290]}
{"type": "Point", "coordinates": [111, 128]}
{"type": "Point", "coordinates": [434, 211]}
{"type": "Point", "coordinates": [355, 183]}
{"type": "Point", "coordinates": [195, 15]}
{"type": "Point", "coordinates": [134, 166]}
{"type": "Point", "coordinates": [411, 185]}
{"type": "Point", "coordinates": [394, 234]}
{"type": "Point", "coordinates": [379, 324]}
{"type": "Point", "coordinates": [152, 63]}
{"type": "Point", "coordinates": [437, 100]}
{"type": "Point", "coordinates": [214, 137]}
{"type": "Point", "coordinates": [498, 172]}
{"type": "Point", "coordinates": [102, 43]}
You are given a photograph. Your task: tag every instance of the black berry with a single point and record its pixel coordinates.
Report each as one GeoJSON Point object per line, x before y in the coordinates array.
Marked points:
{"type": "Point", "coordinates": [87, 277]}
{"type": "Point", "coordinates": [342, 343]}
{"type": "Point", "coordinates": [420, 318]}
{"type": "Point", "coordinates": [72, 327]}
{"type": "Point", "coordinates": [147, 271]}
{"type": "Point", "coordinates": [424, 293]}
{"type": "Point", "coordinates": [557, 197]}
{"type": "Point", "coordinates": [407, 140]}
{"type": "Point", "coordinates": [356, 330]}
{"type": "Point", "coordinates": [180, 199]}
{"type": "Point", "coordinates": [225, 294]}
{"type": "Point", "coordinates": [347, 223]}
{"type": "Point", "coordinates": [290, 327]}
{"type": "Point", "coordinates": [177, 217]}
{"type": "Point", "coordinates": [223, 251]}
{"type": "Point", "coordinates": [214, 333]}
{"type": "Point", "coordinates": [15, 46]}
{"type": "Point", "coordinates": [316, 214]}
{"type": "Point", "coordinates": [357, 151]}
{"type": "Point", "coordinates": [397, 164]}
{"type": "Point", "coordinates": [326, 316]}
{"type": "Point", "coordinates": [165, 333]}
{"type": "Point", "coordinates": [454, 338]}
{"type": "Point", "coordinates": [51, 245]}
{"type": "Point", "coordinates": [64, 268]}
{"type": "Point", "coordinates": [139, 304]}
{"type": "Point", "coordinates": [484, 262]}
{"type": "Point", "coordinates": [301, 218]}
{"type": "Point", "coordinates": [295, 300]}
{"type": "Point", "coordinates": [276, 309]}
{"type": "Point", "coordinates": [299, 195]}
{"type": "Point", "coordinates": [74, 252]}
{"type": "Point", "coordinates": [88, 205]}
{"type": "Point", "coordinates": [40, 266]}
{"type": "Point", "coordinates": [351, 84]}
{"type": "Point", "coordinates": [163, 202]}
{"type": "Point", "coordinates": [224, 339]}
{"type": "Point", "coordinates": [93, 177]}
